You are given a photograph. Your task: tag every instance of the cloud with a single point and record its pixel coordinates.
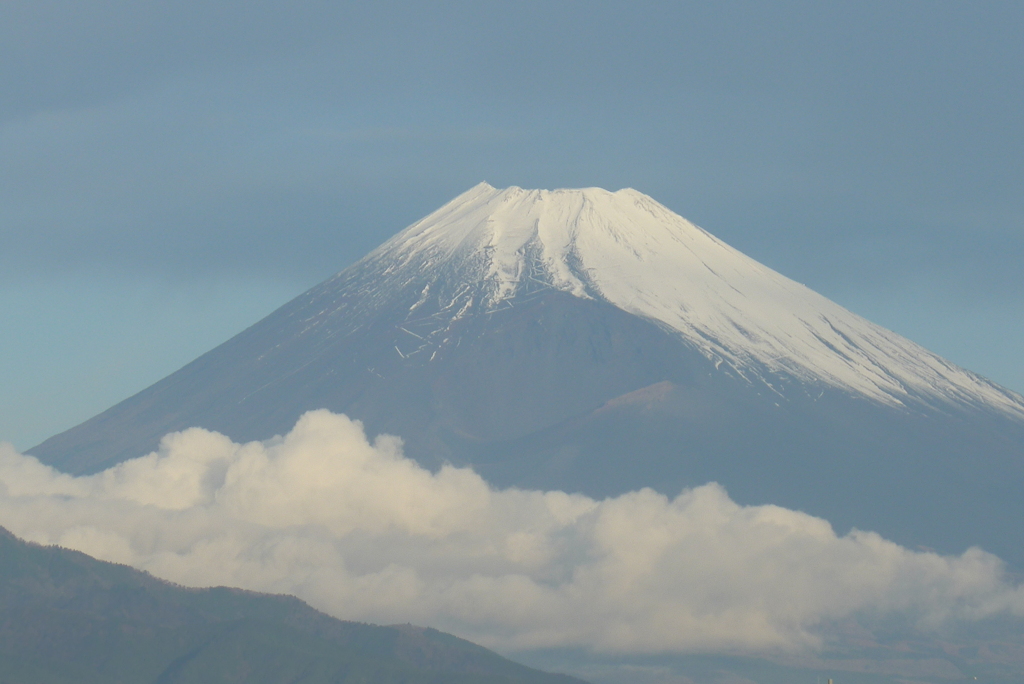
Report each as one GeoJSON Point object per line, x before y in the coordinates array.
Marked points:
{"type": "Point", "coordinates": [361, 532]}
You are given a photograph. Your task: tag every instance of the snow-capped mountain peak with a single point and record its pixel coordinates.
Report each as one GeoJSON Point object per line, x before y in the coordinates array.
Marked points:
{"type": "Point", "coordinates": [596, 342]}
{"type": "Point", "coordinates": [489, 246]}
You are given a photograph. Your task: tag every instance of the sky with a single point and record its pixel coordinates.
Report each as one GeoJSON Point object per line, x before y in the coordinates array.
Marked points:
{"type": "Point", "coordinates": [172, 172]}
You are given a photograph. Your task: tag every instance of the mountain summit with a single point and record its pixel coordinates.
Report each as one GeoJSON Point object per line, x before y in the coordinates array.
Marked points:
{"type": "Point", "coordinates": [595, 341]}
{"type": "Point", "coordinates": [489, 248]}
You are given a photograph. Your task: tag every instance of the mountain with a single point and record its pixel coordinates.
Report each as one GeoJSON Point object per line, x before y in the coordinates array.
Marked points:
{"type": "Point", "coordinates": [595, 341]}
{"type": "Point", "coordinates": [66, 617]}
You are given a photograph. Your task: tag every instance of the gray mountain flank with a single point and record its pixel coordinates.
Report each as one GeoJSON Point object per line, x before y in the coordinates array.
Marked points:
{"type": "Point", "coordinates": [66, 618]}
{"type": "Point", "coordinates": [495, 356]}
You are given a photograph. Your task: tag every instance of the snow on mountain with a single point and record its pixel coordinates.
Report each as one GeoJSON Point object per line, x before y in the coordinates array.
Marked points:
{"type": "Point", "coordinates": [488, 248]}
{"type": "Point", "coordinates": [596, 342]}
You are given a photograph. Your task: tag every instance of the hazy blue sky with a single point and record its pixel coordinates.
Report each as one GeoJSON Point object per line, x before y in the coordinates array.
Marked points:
{"type": "Point", "coordinates": [170, 172]}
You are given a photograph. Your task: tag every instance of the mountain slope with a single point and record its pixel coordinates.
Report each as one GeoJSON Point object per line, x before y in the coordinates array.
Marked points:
{"type": "Point", "coordinates": [626, 249]}
{"type": "Point", "coordinates": [595, 341]}
{"type": "Point", "coordinates": [65, 617]}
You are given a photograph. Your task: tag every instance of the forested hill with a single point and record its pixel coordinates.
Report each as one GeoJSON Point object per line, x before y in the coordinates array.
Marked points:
{"type": "Point", "coordinates": [68, 618]}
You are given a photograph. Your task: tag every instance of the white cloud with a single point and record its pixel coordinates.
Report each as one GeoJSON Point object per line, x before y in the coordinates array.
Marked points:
{"type": "Point", "coordinates": [362, 532]}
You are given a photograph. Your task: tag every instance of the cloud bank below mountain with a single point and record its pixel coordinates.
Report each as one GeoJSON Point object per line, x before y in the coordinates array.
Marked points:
{"type": "Point", "coordinates": [363, 533]}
